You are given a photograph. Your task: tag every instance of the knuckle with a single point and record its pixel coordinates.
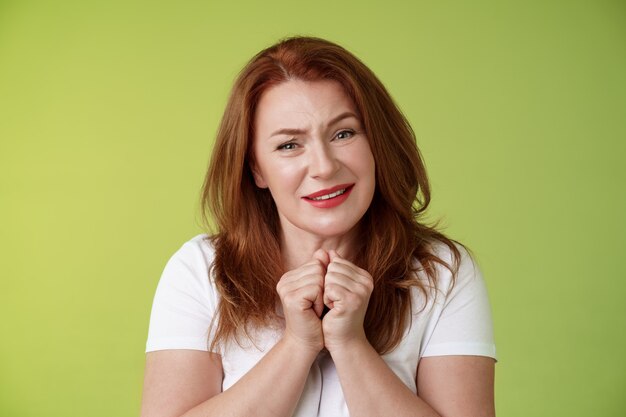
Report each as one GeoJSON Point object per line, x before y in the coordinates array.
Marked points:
{"type": "Point", "coordinates": [289, 299]}
{"type": "Point", "coordinates": [331, 276]}
{"type": "Point", "coordinates": [363, 293]}
{"type": "Point", "coordinates": [364, 272]}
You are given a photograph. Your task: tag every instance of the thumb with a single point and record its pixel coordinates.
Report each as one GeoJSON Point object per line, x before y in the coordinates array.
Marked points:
{"type": "Point", "coordinates": [322, 256]}
{"type": "Point", "coordinates": [318, 304]}
{"type": "Point", "coordinates": [333, 255]}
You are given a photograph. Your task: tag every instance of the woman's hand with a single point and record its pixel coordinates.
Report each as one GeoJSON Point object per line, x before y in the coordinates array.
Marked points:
{"type": "Point", "coordinates": [301, 295]}
{"type": "Point", "coordinates": [347, 290]}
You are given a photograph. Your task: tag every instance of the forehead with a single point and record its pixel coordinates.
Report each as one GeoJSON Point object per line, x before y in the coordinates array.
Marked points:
{"type": "Point", "coordinates": [301, 104]}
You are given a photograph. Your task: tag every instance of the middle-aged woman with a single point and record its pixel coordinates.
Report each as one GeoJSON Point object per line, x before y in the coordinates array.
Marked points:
{"type": "Point", "coordinates": [322, 292]}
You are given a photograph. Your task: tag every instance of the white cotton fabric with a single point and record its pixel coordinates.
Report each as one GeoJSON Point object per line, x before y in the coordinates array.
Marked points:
{"type": "Point", "coordinates": [454, 322]}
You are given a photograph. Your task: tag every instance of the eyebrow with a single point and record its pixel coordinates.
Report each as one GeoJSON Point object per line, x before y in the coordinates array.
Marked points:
{"type": "Point", "coordinates": [288, 131]}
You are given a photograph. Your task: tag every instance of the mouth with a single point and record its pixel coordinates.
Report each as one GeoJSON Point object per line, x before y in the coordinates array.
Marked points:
{"type": "Point", "coordinates": [329, 198]}
{"type": "Point", "coordinates": [329, 193]}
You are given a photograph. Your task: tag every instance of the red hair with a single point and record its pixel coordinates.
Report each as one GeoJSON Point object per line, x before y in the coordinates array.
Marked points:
{"type": "Point", "coordinates": [393, 235]}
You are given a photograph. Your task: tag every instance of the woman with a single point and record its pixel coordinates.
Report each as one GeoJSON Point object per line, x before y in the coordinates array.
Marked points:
{"type": "Point", "coordinates": [321, 291]}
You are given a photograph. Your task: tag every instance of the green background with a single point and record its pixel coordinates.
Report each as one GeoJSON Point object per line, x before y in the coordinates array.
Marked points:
{"type": "Point", "coordinates": [107, 115]}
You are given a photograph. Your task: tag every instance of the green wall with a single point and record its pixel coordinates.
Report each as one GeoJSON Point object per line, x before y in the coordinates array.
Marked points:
{"type": "Point", "coordinates": [107, 114]}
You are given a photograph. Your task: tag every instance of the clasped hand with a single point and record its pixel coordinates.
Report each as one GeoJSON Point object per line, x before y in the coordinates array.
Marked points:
{"type": "Point", "coordinates": [328, 279]}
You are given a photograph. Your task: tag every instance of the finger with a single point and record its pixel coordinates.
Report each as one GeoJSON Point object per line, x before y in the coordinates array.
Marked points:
{"type": "Point", "coordinates": [315, 280]}
{"type": "Point", "coordinates": [333, 254]}
{"type": "Point", "coordinates": [336, 257]}
{"type": "Point", "coordinates": [318, 304]}
{"type": "Point", "coordinates": [329, 300]}
{"type": "Point", "coordinates": [311, 268]}
{"type": "Point", "coordinates": [337, 297]}
{"type": "Point", "coordinates": [340, 260]}
{"type": "Point", "coordinates": [322, 256]}
{"type": "Point", "coordinates": [363, 278]}
{"type": "Point", "coordinates": [343, 280]}
{"type": "Point", "coordinates": [303, 298]}
{"type": "Point", "coordinates": [288, 286]}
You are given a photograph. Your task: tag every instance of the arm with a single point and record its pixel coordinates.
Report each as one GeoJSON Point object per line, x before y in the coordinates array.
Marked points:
{"type": "Point", "coordinates": [177, 380]}
{"type": "Point", "coordinates": [188, 383]}
{"type": "Point", "coordinates": [447, 385]}
{"type": "Point", "coordinates": [371, 388]}
{"type": "Point", "coordinates": [456, 386]}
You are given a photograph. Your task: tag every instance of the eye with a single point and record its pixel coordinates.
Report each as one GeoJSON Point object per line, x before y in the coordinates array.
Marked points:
{"type": "Point", "coordinates": [345, 134]}
{"type": "Point", "coordinates": [289, 146]}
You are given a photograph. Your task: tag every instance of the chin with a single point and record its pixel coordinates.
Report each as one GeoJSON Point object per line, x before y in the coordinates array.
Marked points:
{"type": "Point", "coordinates": [331, 230]}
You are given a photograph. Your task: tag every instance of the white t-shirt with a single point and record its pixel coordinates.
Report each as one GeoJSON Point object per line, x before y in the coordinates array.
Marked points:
{"type": "Point", "coordinates": [456, 322]}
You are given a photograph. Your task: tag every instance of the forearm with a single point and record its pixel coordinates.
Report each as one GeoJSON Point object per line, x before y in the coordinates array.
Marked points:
{"type": "Point", "coordinates": [272, 388]}
{"type": "Point", "coordinates": [371, 388]}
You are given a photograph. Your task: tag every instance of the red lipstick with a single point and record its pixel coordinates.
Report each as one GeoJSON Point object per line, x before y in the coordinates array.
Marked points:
{"type": "Point", "coordinates": [329, 197]}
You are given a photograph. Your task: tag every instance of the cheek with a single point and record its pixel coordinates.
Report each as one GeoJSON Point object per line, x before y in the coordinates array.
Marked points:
{"type": "Point", "coordinates": [364, 160]}
{"type": "Point", "coordinates": [368, 171]}
{"type": "Point", "coordinates": [283, 176]}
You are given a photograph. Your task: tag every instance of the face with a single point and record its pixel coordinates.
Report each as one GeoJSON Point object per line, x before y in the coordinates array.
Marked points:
{"type": "Point", "coordinates": [310, 151]}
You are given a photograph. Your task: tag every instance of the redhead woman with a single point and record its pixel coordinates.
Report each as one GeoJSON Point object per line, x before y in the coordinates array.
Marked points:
{"type": "Point", "coordinates": [320, 290]}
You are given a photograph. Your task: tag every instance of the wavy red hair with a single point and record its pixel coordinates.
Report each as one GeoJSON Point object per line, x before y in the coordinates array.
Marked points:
{"type": "Point", "coordinates": [393, 235]}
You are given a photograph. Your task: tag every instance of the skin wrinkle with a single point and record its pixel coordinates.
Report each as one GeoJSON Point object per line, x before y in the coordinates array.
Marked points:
{"type": "Point", "coordinates": [319, 161]}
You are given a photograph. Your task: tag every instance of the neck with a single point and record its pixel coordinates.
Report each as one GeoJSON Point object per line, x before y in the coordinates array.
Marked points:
{"type": "Point", "coordinates": [298, 246]}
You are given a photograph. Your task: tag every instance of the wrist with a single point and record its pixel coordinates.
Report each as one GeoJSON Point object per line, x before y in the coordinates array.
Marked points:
{"type": "Point", "coordinates": [348, 347]}
{"type": "Point", "coordinates": [299, 349]}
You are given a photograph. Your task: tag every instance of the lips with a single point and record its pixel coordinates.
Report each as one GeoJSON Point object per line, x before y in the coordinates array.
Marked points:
{"type": "Point", "coordinates": [330, 197]}
{"type": "Point", "coordinates": [329, 193]}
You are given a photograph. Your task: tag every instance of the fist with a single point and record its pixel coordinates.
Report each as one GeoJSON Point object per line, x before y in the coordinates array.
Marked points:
{"type": "Point", "coordinates": [346, 292]}
{"type": "Point", "coordinates": [301, 295]}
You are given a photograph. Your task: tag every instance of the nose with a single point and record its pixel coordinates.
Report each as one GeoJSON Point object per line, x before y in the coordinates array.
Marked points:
{"type": "Point", "coordinates": [323, 162]}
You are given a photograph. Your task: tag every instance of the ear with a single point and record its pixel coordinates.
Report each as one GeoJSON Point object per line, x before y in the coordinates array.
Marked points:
{"type": "Point", "coordinates": [258, 178]}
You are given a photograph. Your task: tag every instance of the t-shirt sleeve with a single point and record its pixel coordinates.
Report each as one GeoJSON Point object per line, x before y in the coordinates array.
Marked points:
{"type": "Point", "coordinates": [184, 302]}
{"type": "Point", "coordinates": [464, 324]}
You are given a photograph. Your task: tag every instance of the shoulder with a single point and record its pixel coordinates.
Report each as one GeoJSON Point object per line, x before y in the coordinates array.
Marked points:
{"type": "Point", "coordinates": [185, 299]}
{"type": "Point", "coordinates": [188, 270]}
{"type": "Point", "coordinates": [460, 321]}
{"type": "Point", "coordinates": [193, 257]}
{"type": "Point", "coordinates": [198, 249]}
{"type": "Point", "coordinates": [457, 265]}
{"type": "Point", "coordinates": [459, 256]}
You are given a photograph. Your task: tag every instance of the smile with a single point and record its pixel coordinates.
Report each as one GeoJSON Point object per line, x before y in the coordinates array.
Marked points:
{"type": "Point", "coordinates": [331, 197]}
